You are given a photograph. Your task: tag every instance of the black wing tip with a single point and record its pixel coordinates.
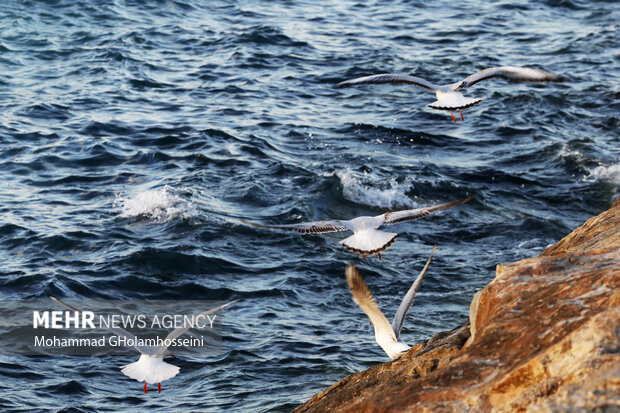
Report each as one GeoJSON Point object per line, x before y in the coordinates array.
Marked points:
{"type": "Point", "coordinates": [229, 303]}
{"type": "Point", "coordinates": [254, 224]}
{"type": "Point", "coordinates": [469, 198]}
{"type": "Point", "coordinates": [459, 202]}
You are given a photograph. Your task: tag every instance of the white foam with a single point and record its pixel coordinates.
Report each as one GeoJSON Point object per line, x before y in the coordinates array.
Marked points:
{"type": "Point", "coordinates": [356, 191]}
{"type": "Point", "coordinates": [160, 205]}
{"type": "Point", "coordinates": [609, 173]}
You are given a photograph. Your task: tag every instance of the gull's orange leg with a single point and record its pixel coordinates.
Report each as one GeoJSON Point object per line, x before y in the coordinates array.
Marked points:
{"type": "Point", "coordinates": [145, 388]}
{"type": "Point", "coordinates": [461, 110]}
{"type": "Point", "coordinates": [159, 387]}
{"type": "Point", "coordinates": [363, 256]}
{"type": "Point", "coordinates": [379, 254]}
{"type": "Point", "coordinates": [453, 118]}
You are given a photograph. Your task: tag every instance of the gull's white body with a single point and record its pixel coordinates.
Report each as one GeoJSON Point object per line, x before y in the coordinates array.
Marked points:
{"type": "Point", "coordinates": [386, 335]}
{"type": "Point", "coordinates": [367, 237]}
{"type": "Point", "coordinates": [449, 96]}
{"type": "Point", "coordinates": [452, 100]}
{"type": "Point", "coordinates": [150, 367]}
{"type": "Point", "coordinates": [394, 349]}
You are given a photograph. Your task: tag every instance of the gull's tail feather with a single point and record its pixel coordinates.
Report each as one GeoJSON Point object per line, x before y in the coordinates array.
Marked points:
{"type": "Point", "coordinates": [150, 369]}
{"type": "Point", "coordinates": [369, 241]}
{"type": "Point", "coordinates": [454, 101]}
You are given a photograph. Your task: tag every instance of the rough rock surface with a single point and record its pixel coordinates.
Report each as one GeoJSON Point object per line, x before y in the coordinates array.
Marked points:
{"type": "Point", "coordinates": [545, 337]}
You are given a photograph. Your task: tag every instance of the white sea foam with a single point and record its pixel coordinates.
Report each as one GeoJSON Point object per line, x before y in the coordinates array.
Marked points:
{"type": "Point", "coordinates": [609, 173]}
{"type": "Point", "coordinates": [356, 191]}
{"type": "Point", "coordinates": [160, 205]}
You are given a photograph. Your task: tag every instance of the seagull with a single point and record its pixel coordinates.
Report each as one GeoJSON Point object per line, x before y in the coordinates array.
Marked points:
{"type": "Point", "coordinates": [448, 96]}
{"type": "Point", "coordinates": [367, 238]}
{"type": "Point", "coordinates": [386, 335]}
{"type": "Point", "coordinates": [151, 367]}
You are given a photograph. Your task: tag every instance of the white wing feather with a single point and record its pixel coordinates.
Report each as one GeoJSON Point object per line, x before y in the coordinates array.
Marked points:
{"type": "Point", "coordinates": [407, 302]}
{"type": "Point", "coordinates": [512, 73]}
{"type": "Point", "coordinates": [391, 78]}
{"type": "Point", "coordinates": [116, 330]}
{"type": "Point", "coordinates": [307, 227]}
{"type": "Point", "coordinates": [186, 326]}
{"type": "Point", "coordinates": [391, 218]}
{"type": "Point", "coordinates": [364, 299]}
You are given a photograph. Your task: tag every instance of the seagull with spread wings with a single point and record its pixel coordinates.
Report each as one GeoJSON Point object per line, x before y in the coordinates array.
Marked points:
{"type": "Point", "coordinates": [367, 238]}
{"type": "Point", "coordinates": [387, 335]}
{"type": "Point", "coordinates": [449, 97]}
{"type": "Point", "coordinates": [151, 367]}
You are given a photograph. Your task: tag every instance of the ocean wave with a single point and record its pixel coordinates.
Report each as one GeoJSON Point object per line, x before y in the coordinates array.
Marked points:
{"type": "Point", "coordinates": [356, 190]}
{"type": "Point", "coordinates": [609, 173]}
{"type": "Point", "coordinates": [160, 205]}
{"type": "Point", "coordinates": [569, 154]}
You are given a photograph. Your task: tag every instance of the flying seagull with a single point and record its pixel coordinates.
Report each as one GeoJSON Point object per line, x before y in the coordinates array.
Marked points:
{"type": "Point", "coordinates": [151, 367]}
{"type": "Point", "coordinates": [367, 238]}
{"type": "Point", "coordinates": [387, 335]}
{"type": "Point", "coordinates": [449, 97]}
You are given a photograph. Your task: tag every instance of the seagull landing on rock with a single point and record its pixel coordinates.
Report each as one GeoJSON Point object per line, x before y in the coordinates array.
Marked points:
{"type": "Point", "coordinates": [448, 96]}
{"type": "Point", "coordinates": [387, 335]}
{"type": "Point", "coordinates": [151, 367]}
{"type": "Point", "coordinates": [367, 238]}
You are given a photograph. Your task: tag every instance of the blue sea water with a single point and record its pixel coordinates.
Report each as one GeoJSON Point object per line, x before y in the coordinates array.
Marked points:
{"type": "Point", "coordinates": [134, 136]}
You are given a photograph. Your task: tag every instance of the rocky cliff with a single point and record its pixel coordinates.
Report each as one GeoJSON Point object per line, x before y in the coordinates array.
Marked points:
{"type": "Point", "coordinates": [544, 336]}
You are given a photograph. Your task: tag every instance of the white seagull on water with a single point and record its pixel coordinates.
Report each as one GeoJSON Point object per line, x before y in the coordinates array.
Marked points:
{"type": "Point", "coordinates": [151, 367]}
{"type": "Point", "coordinates": [367, 238]}
{"type": "Point", "coordinates": [387, 335]}
{"type": "Point", "coordinates": [448, 96]}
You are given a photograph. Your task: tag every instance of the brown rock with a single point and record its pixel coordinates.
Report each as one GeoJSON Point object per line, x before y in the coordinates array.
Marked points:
{"type": "Point", "coordinates": [545, 338]}
{"type": "Point", "coordinates": [599, 233]}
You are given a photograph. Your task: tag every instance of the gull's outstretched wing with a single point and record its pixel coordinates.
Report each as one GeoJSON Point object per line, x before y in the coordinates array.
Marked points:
{"type": "Point", "coordinates": [116, 330]}
{"type": "Point", "coordinates": [390, 78]}
{"type": "Point", "coordinates": [399, 317]}
{"type": "Point", "coordinates": [308, 227]}
{"type": "Point", "coordinates": [512, 73]}
{"type": "Point", "coordinates": [411, 214]}
{"type": "Point", "coordinates": [186, 326]}
{"type": "Point", "coordinates": [364, 299]}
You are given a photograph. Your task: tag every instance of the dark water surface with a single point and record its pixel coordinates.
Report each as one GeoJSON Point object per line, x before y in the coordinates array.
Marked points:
{"type": "Point", "coordinates": [135, 134]}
